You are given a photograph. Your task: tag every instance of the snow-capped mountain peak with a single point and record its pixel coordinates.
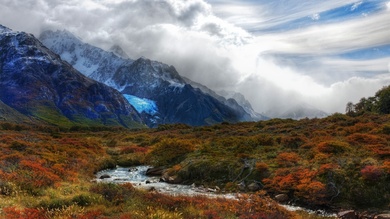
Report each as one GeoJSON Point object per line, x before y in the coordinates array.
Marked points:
{"type": "Point", "coordinates": [157, 90]}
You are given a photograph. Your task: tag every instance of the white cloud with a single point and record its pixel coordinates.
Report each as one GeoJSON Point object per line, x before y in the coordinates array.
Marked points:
{"type": "Point", "coordinates": [315, 16]}
{"type": "Point", "coordinates": [207, 43]}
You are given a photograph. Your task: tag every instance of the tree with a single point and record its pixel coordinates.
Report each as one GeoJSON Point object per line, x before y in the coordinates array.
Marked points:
{"type": "Point", "coordinates": [350, 108]}
{"type": "Point", "coordinates": [383, 100]}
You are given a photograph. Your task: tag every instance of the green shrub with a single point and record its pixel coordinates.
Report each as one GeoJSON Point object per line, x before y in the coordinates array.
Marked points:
{"type": "Point", "coordinates": [83, 200]}
{"type": "Point", "coordinates": [112, 192]}
{"type": "Point", "coordinates": [169, 152]}
{"type": "Point", "coordinates": [55, 203]}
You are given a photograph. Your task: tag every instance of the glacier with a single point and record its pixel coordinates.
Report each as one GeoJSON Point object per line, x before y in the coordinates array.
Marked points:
{"type": "Point", "coordinates": [142, 104]}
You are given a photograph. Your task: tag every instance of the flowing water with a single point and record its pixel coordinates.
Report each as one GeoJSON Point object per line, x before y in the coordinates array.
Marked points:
{"type": "Point", "coordinates": [137, 177]}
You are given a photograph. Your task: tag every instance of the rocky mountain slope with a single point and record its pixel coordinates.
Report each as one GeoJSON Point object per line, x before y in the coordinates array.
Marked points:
{"type": "Point", "coordinates": [232, 99]}
{"type": "Point", "coordinates": [156, 90]}
{"type": "Point", "coordinates": [37, 83]}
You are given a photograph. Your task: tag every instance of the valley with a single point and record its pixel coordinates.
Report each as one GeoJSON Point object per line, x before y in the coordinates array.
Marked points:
{"type": "Point", "coordinates": [339, 162]}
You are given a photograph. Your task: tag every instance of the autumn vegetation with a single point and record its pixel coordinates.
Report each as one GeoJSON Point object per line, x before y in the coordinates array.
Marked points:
{"type": "Point", "coordinates": [339, 162]}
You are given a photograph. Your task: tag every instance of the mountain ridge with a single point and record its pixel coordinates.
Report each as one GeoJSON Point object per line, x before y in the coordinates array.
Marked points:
{"type": "Point", "coordinates": [176, 101]}
{"type": "Point", "coordinates": [39, 84]}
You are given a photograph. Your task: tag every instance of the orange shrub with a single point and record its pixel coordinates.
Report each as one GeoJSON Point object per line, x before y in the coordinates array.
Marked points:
{"type": "Point", "coordinates": [313, 192]}
{"type": "Point", "coordinates": [386, 166]}
{"type": "Point", "coordinates": [133, 149]}
{"type": "Point", "coordinates": [365, 139]}
{"type": "Point", "coordinates": [324, 168]}
{"type": "Point", "coordinates": [333, 147]}
{"type": "Point", "coordinates": [287, 159]}
{"type": "Point", "coordinates": [32, 173]}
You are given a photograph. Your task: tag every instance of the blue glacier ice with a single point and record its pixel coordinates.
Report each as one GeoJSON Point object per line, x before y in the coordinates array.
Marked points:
{"type": "Point", "coordinates": [142, 104]}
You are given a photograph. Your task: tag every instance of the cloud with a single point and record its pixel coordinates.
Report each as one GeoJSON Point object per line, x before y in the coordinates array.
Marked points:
{"type": "Point", "coordinates": [223, 45]}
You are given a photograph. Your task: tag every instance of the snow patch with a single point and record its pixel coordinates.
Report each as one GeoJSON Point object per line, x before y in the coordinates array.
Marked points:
{"type": "Point", "coordinates": [142, 104]}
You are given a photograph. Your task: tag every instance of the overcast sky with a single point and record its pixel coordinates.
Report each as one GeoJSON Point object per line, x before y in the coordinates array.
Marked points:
{"type": "Point", "coordinates": [277, 53]}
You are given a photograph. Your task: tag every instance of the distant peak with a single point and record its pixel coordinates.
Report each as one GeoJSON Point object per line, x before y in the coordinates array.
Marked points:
{"type": "Point", "coordinates": [4, 29]}
{"type": "Point", "coordinates": [118, 51]}
{"type": "Point", "coordinates": [65, 34]}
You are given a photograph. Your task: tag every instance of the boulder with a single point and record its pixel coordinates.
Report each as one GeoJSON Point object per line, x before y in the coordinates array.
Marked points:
{"type": "Point", "coordinates": [174, 180]}
{"type": "Point", "coordinates": [155, 171]}
{"type": "Point", "coordinates": [351, 214]}
{"type": "Point", "coordinates": [382, 216]}
{"type": "Point", "coordinates": [105, 176]}
{"type": "Point", "coordinates": [282, 198]}
{"type": "Point", "coordinates": [253, 187]}
{"type": "Point", "coordinates": [241, 186]}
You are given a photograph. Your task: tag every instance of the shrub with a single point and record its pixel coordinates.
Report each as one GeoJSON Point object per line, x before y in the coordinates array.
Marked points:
{"type": "Point", "coordinates": [365, 139]}
{"type": "Point", "coordinates": [169, 152]}
{"type": "Point", "coordinates": [112, 192]}
{"type": "Point", "coordinates": [371, 173]}
{"type": "Point", "coordinates": [55, 203]}
{"type": "Point", "coordinates": [27, 213]}
{"type": "Point", "coordinates": [83, 200]}
{"type": "Point", "coordinates": [287, 159]}
{"type": "Point", "coordinates": [264, 140]}
{"type": "Point", "coordinates": [293, 142]}
{"type": "Point", "coordinates": [333, 147]}
{"type": "Point", "coordinates": [6, 189]}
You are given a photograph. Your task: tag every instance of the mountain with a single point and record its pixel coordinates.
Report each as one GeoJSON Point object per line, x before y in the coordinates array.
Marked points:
{"type": "Point", "coordinates": [232, 99]}
{"type": "Point", "coordinates": [8, 114]}
{"type": "Point", "coordinates": [37, 83]}
{"type": "Point", "coordinates": [155, 89]}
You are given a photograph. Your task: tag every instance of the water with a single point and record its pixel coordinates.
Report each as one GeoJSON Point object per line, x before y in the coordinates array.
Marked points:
{"type": "Point", "coordinates": [137, 177]}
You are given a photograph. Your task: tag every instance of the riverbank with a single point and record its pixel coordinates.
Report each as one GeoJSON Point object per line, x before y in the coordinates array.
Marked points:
{"type": "Point", "coordinates": [137, 176]}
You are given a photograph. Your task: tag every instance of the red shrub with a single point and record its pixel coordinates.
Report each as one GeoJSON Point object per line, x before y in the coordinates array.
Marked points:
{"type": "Point", "coordinates": [27, 213]}
{"type": "Point", "coordinates": [371, 172]}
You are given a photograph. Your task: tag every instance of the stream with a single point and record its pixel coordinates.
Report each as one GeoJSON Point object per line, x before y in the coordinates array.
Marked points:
{"type": "Point", "coordinates": [137, 176]}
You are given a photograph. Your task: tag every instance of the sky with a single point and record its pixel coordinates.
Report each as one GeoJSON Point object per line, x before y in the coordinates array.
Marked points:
{"type": "Point", "coordinates": [277, 53]}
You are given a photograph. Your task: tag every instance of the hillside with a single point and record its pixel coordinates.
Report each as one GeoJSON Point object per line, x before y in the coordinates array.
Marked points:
{"type": "Point", "coordinates": [339, 162]}
{"type": "Point", "coordinates": [36, 83]}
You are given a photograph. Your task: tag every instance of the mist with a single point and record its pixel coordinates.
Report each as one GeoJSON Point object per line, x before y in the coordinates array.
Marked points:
{"type": "Point", "coordinates": [277, 55]}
